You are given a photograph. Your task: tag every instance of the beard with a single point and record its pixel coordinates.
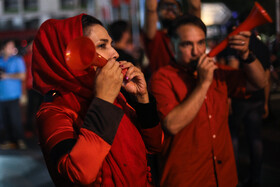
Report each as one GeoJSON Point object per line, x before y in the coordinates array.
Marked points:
{"type": "Point", "coordinates": [193, 64]}
{"type": "Point", "coordinates": [166, 23]}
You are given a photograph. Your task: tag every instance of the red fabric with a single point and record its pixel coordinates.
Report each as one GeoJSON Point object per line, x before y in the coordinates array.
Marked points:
{"type": "Point", "coordinates": [158, 51]}
{"type": "Point", "coordinates": [92, 161]}
{"type": "Point", "coordinates": [188, 156]}
{"type": "Point", "coordinates": [116, 3]}
{"type": "Point", "coordinates": [27, 59]}
{"type": "Point", "coordinates": [48, 61]}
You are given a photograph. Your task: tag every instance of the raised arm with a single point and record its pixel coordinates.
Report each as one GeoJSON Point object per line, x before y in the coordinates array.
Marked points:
{"type": "Point", "coordinates": [256, 78]}
{"type": "Point", "coordinates": [151, 18]}
{"type": "Point", "coordinates": [194, 7]}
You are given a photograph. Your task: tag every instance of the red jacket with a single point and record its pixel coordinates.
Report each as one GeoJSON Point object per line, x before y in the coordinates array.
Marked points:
{"type": "Point", "coordinates": [94, 160]}
{"type": "Point", "coordinates": [87, 141]}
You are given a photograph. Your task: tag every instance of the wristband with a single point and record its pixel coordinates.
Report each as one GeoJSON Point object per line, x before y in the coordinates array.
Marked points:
{"type": "Point", "coordinates": [251, 58]}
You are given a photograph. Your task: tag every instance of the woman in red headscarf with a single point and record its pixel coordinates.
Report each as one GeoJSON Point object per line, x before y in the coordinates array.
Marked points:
{"type": "Point", "coordinates": [88, 133]}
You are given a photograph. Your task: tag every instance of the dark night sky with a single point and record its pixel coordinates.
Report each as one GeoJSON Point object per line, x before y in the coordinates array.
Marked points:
{"type": "Point", "coordinates": [242, 6]}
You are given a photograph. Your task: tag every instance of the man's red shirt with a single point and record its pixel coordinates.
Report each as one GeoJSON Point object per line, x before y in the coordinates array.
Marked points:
{"type": "Point", "coordinates": [201, 153]}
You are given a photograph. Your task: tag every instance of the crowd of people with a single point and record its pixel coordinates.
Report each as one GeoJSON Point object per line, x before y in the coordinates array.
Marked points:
{"type": "Point", "coordinates": [175, 122]}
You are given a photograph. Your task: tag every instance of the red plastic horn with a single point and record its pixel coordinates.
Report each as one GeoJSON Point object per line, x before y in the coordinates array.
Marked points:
{"type": "Point", "coordinates": [257, 16]}
{"type": "Point", "coordinates": [81, 54]}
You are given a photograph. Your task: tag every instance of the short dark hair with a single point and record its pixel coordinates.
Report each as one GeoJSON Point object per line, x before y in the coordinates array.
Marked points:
{"type": "Point", "coordinates": [186, 19]}
{"type": "Point", "coordinates": [5, 42]}
{"type": "Point", "coordinates": [88, 21]}
{"type": "Point", "coordinates": [117, 28]}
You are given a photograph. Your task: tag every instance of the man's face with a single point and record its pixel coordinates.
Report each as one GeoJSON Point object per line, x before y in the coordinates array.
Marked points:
{"type": "Point", "coordinates": [190, 44]}
{"type": "Point", "coordinates": [9, 49]}
{"type": "Point", "coordinates": [168, 11]}
{"type": "Point", "coordinates": [126, 42]}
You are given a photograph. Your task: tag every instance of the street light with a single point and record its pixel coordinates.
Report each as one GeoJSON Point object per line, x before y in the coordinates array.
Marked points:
{"type": "Point", "coordinates": [214, 13]}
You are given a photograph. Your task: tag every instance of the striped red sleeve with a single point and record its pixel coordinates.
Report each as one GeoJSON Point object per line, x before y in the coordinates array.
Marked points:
{"type": "Point", "coordinates": [79, 155]}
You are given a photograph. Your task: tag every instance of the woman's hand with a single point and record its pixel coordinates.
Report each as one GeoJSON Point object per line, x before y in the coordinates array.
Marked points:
{"type": "Point", "coordinates": [108, 81]}
{"type": "Point", "coordinates": [134, 82]}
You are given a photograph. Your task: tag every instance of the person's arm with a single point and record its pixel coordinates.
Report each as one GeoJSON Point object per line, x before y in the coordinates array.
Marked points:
{"type": "Point", "coordinates": [150, 126]}
{"type": "Point", "coordinates": [145, 107]}
{"type": "Point", "coordinates": [83, 162]}
{"type": "Point", "coordinates": [19, 73]}
{"type": "Point", "coordinates": [266, 95]}
{"type": "Point", "coordinates": [151, 18]}
{"type": "Point", "coordinates": [255, 75]}
{"type": "Point", "coordinates": [20, 76]}
{"type": "Point", "coordinates": [185, 112]}
{"type": "Point", "coordinates": [78, 156]}
{"type": "Point", "coordinates": [254, 71]}
{"type": "Point", "coordinates": [194, 7]}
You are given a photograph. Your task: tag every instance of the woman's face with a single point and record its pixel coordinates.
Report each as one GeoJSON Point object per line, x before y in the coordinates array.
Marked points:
{"type": "Point", "coordinates": [102, 41]}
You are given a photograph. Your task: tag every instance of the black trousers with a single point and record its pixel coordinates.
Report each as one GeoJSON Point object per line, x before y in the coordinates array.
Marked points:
{"type": "Point", "coordinates": [248, 114]}
{"type": "Point", "coordinates": [10, 121]}
{"type": "Point", "coordinates": [34, 101]}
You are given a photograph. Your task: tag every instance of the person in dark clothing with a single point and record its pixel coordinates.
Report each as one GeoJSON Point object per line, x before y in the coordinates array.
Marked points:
{"type": "Point", "coordinates": [12, 76]}
{"type": "Point", "coordinates": [121, 34]}
{"type": "Point", "coordinates": [34, 99]}
{"type": "Point", "coordinates": [275, 63]}
{"type": "Point", "coordinates": [250, 112]}
{"type": "Point", "coordinates": [120, 31]}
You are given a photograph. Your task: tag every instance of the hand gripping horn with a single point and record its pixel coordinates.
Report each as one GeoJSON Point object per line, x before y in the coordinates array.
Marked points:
{"type": "Point", "coordinates": [257, 16]}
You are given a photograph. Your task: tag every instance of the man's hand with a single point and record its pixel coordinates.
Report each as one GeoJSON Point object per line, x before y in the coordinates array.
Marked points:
{"type": "Point", "coordinates": [240, 42]}
{"type": "Point", "coordinates": [205, 69]}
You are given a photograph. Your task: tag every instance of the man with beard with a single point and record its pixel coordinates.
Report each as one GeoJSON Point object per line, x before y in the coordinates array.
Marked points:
{"type": "Point", "coordinates": [192, 104]}
{"type": "Point", "coordinates": [157, 42]}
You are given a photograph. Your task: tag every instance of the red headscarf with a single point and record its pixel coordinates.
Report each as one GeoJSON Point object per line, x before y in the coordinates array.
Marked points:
{"type": "Point", "coordinates": [49, 69]}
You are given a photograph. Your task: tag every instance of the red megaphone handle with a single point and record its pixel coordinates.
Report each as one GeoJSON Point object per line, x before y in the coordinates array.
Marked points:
{"type": "Point", "coordinates": [248, 25]}
{"type": "Point", "coordinates": [101, 61]}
